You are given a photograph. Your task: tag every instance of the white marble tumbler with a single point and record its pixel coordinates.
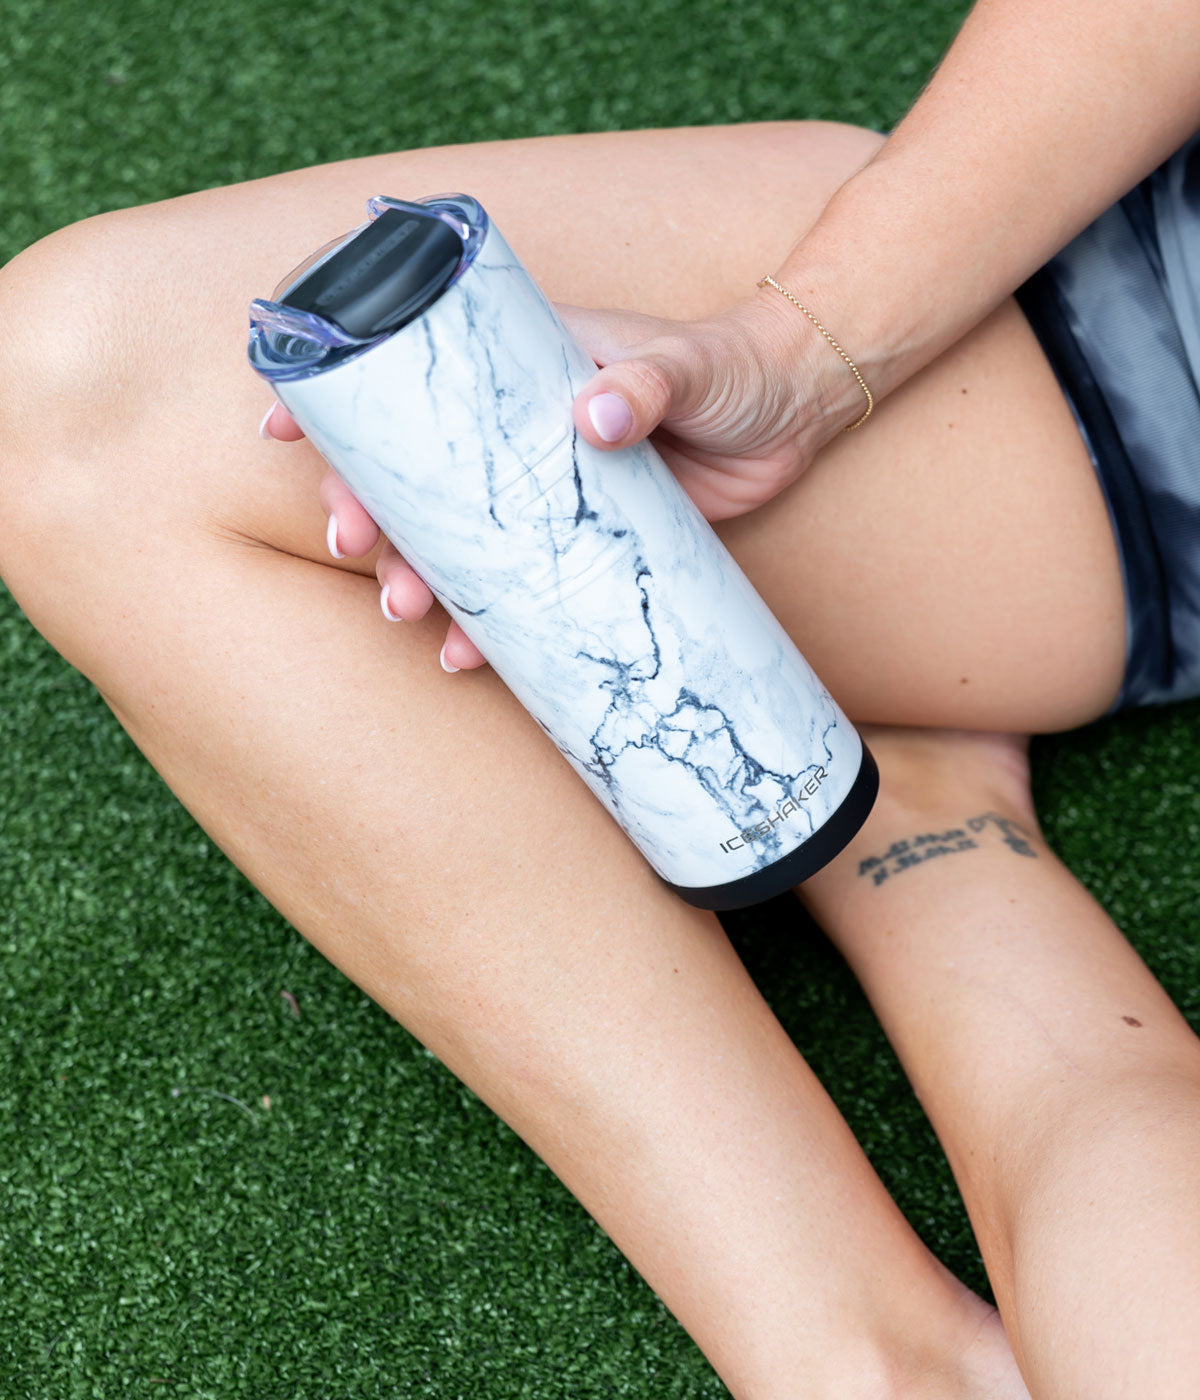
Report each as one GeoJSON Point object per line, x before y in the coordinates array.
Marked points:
{"type": "Point", "coordinates": [428, 368]}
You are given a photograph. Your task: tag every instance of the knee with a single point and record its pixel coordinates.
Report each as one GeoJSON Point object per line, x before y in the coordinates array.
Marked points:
{"type": "Point", "coordinates": [82, 370]}
{"type": "Point", "coordinates": [829, 152]}
{"type": "Point", "coordinates": [65, 362]}
{"type": "Point", "coordinates": [68, 303]}
{"type": "Point", "coordinates": [853, 145]}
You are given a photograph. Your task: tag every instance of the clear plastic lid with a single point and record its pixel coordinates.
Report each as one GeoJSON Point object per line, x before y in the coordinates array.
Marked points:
{"type": "Point", "coordinates": [293, 341]}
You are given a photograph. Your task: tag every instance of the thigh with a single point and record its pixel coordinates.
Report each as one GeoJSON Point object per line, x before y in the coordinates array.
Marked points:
{"type": "Point", "coordinates": [952, 563]}
{"type": "Point", "coordinates": [955, 566]}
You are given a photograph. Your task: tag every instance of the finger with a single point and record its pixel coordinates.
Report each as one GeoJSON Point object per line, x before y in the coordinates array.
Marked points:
{"type": "Point", "coordinates": [279, 424]}
{"type": "Point", "coordinates": [351, 530]}
{"type": "Point", "coordinates": [403, 594]}
{"type": "Point", "coordinates": [459, 652]}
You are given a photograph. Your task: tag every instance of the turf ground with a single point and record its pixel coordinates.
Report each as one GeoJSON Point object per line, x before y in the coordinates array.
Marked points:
{"type": "Point", "coordinates": [376, 1231]}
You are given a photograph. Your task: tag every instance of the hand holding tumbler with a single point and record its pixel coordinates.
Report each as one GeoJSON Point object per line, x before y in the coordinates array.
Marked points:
{"type": "Point", "coordinates": [429, 369]}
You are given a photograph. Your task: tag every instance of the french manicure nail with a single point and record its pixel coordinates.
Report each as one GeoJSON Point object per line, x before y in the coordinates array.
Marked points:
{"type": "Point", "coordinates": [611, 416]}
{"type": "Point", "coordinates": [446, 666]}
{"type": "Point", "coordinates": [384, 594]}
{"type": "Point", "coordinates": [262, 427]}
{"type": "Point", "coordinates": [331, 538]}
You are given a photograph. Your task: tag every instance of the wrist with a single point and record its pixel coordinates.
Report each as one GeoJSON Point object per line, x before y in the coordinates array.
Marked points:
{"type": "Point", "coordinates": [768, 281]}
{"type": "Point", "coordinates": [809, 358]}
{"type": "Point", "coordinates": [865, 285]}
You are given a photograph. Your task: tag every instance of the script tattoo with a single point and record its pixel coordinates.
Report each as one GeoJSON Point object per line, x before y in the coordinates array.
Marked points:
{"type": "Point", "coordinates": [928, 845]}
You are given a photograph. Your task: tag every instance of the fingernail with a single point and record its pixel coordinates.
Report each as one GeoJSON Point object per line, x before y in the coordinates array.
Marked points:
{"type": "Point", "coordinates": [446, 666]}
{"type": "Point", "coordinates": [611, 416]}
{"type": "Point", "coordinates": [385, 592]}
{"type": "Point", "coordinates": [262, 427]}
{"type": "Point", "coordinates": [331, 538]}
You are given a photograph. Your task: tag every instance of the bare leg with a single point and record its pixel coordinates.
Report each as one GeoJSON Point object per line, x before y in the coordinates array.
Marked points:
{"type": "Point", "coordinates": [398, 817]}
{"type": "Point", "coordinates": [1063, 1083]}
{"type": "Point", "coordinates": [955, 565]}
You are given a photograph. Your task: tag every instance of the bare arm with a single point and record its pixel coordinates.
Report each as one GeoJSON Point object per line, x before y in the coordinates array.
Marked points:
{"type": "Point", "coordinates": [1042, 113]}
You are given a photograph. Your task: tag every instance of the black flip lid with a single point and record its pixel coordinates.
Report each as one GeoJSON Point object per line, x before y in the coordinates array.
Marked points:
{"type": "Point", "coordinates": [384, 276]}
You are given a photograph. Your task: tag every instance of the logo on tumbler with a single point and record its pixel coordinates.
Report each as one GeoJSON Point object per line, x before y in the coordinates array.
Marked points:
{"type": "Point", "coordinates": [786, 809]}
{"type": "Point", "coordinates": [367, 261]}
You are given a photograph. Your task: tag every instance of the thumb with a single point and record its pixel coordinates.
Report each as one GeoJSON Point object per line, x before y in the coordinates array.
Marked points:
{"type": "Point", "coordinates": [658, 376]}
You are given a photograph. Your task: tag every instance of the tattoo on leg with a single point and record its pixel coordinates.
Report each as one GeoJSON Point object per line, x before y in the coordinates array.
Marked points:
{"type": "Point", "coordinates": [1009, 830]}
{"type": "Point", "coordinates": [903, 855]}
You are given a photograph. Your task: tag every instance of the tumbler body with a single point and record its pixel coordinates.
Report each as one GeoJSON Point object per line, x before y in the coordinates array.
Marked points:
{"type": "Point", "coordinates": [591, 583]}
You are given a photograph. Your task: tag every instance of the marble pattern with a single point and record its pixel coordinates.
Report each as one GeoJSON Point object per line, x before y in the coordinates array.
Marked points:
{"type": "Point", "coordinates": [589, 580]}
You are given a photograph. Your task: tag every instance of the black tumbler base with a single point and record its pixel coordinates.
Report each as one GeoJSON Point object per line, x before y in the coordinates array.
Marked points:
{"type": "Point", "coordinates": [805, 860]}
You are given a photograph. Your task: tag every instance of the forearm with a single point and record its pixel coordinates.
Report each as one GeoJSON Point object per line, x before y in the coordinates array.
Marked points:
{"type": "Point", "coordinates": [1039, 117]}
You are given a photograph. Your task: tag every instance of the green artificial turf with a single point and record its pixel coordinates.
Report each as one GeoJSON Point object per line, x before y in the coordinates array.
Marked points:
{"type": "Point", "coordinates": [376, 1231]}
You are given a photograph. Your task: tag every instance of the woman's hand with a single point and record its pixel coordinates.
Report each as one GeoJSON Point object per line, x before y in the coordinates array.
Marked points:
{"type": "Point", "coordinates": [737, 404]}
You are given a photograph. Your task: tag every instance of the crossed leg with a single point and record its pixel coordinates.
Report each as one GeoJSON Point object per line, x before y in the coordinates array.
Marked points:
{"type": "Point", "coordinates": [953, 566]}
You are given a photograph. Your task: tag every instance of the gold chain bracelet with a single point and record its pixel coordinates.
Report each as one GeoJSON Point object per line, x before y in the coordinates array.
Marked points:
{"type": "Point", "coordinates": [862, 383]}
